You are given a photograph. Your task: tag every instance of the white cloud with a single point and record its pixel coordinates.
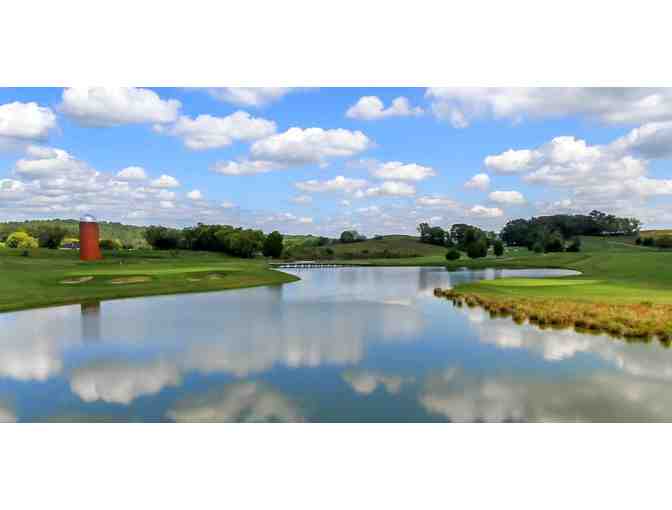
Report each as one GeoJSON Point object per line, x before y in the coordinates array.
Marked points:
{"type": "Point", "coordinates": [403, 172]}
{"type": "Point", "coordinates": [388, 188]}
{"type": "Point", "coordinates": [365, 382]}
{"type": "Point", "coordinates": [121, 382]}
{"type": "Point", "coordinates": [480, 211]}
{"type": "Point", "coordinates": [25, 121]}
{"type": "Point", "coordinates": [608, 105]}
{"type": "Point", "coordinates": [437, 202]}
{"type": "Point", "coordinates": [512, 162]}
{"type": "Point", "coordinates": [132, 173]}
{"type": "Point", "coordinates": [165, 181]}
{"type": "Point", "coordinates": [245, 167]}
{"type": "Point", "coordinates": [298, 146]}
{"type": "Point", "coordinates": [652, 140]}
{"type": "Point", "coordinates": [338, 183]}
{"type": "Point", "coordinates": [208, 132]}
{"type": "Point", "coordinates": [478, 181]}
{"type": "Point", "coordinates": [249, 96]}
{"type": "Point", "coordinates": [195, 195]}
{"type": "Point", "coordinates": [372, 108]}
{"type": "Point", "coordinates": [110, 106]}
{"type": "Point", "coordinates": [166, 204]}
{"type": "Point", "coordinates": [302, 199]}
{"type": "Point", "coordinates": [507, 197]}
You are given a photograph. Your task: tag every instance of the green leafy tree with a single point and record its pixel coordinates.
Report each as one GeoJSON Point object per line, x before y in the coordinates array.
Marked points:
{"type": "Point", "coordinates": [21, 240]}
{"type": "Point", "coordinates": [111, 244]}
{"type": "Point", "coordinates": [163, 238]}
{"type": "Point", "coordinates": [453, 254]}
{"type": "Point", "coordinates": [273, 245]}
{"type": "Point", "coordinates": [51, 236]}
{"type": "Point", "coordinates": [477, 249]}
{"type": "Point", "coordinates": [498, 248]}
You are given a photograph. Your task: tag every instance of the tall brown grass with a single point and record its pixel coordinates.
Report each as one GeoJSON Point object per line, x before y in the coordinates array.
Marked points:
{"type": "Point", "coordinates": [634, 322]}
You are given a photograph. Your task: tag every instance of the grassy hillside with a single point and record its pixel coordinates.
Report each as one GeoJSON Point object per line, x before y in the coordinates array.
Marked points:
{"type": "Point", "coordinates": [52, 277]}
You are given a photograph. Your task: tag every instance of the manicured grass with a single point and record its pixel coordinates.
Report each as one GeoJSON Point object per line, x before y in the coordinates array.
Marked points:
{"type": "Point", "coordinates": [50, 277]}
{"type": "Point", "coordinates": [624, 290]}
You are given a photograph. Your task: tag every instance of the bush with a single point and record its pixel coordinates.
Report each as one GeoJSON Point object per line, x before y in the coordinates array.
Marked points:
{"type": "Point", "coordinates": [538, 247]}
{"type": "Point", "coordinates": [498, 248]}
{"type": "Point", "coordinates": [453, 254]}
{"type": "Point", "coordinates": [638, 241]}
{"type": "Point", "coordinates": [21, 240]}
{"type": "Point", "coordinates": [273, 245]}
{"type": "Point", "coordinates": [648, 241]}
{"type": "Point", "coordinates": [554, 243]}
{"type": "Point", "coordinates": [664, 242]}
{"type": "Point", "coordinates": [51, 236]}
{"type": "Point", "coordinates": [575, 245]}
{"type": "Point", "coordinates": [477, 249]}
{"type": "Point", "coordinates": [110, 244]}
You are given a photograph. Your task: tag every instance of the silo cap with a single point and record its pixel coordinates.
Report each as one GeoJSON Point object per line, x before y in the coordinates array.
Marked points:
{"type": "Point", "coordinates": [88, 218]}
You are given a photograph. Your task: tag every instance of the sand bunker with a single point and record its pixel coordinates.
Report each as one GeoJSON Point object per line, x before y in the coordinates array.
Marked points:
{"type": "Point", "coordinates": [130, 279]}
{"type": "Point", "coordinates": [75, 281]}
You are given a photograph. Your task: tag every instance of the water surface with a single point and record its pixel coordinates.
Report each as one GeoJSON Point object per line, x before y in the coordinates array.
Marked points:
{"type": "Point", "coordinates": [349, 344]}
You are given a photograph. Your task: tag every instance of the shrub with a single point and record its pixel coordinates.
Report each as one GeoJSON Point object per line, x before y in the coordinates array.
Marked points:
{"type": "Point", "coordinates": [538, 248]}
{"type": "Point", "coordinates": [21, 240]}
{"type": "Point", "coordinates": [638, 241]}
{"type": "Point", "coordinates": [648, 241]}
{"type": "Point", "coordinates": [664, 242]}
{"type": "Point", "coordinates": [498, 248]}
{"type": "Point", "coordinates": [453, 254]}
{"type": "Point", "coordinates": [554, 244]}
{"type": "Point", "coordinates": [110, 244]}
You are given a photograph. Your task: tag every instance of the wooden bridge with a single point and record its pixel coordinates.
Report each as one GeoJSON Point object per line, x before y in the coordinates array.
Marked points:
{"type": "Point", "coordinates": [309, 264]}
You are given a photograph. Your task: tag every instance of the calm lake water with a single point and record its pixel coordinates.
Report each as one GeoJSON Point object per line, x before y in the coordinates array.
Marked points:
{"type": "Point", "coordinates": [351, 344]}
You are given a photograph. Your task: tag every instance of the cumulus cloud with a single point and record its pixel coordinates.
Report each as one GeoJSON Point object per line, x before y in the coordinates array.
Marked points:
{"type": "Point", "coordinates": [245, 167]}
{"type": "Point", "coordinates": [238, 402]}
{"type": "Point", "coordinates": [208, 132]}
{"type": "Point", "coordinates": [389, 189]}
{"type": "Point", "coordinates": [460, 105]}
{"type": "Point", "coordinates": [653, 140]}
{"type": "Point", "coordinates": [298, 146]}
{"type": "Point", "coordinates": [337, 184]}
{"type": "Point", "coordinates": [25, 121]}
{"type": "Point", "coordinates": [480, 211]}
{"type": "Point", "coordinates": [437, 202]}
{"type": "Point", "coordinates": [195, 195]}
{"type": "Point", "coordinates": [165, 181]}
{"type": "Point", "coordinates": [507, 197]}
{"type": "Point", "coordinates": [372, 108]}
{"type": "Point", "coordinates": [132, 173]}
{"type": "Point", "coordinates": [122, 382]}
{"type": "Point", "coordinates": [512, 162]}
{"type": "Point", "coordinates": [249, 96]}
{"type": "Point", "coordinates": [107, 106]}
{"type": "Point", "coordinates": [365, 382]}
{"type": "Point", "coordinates": [402, 172]}
{"type": "Point", "coordinates": [478, 181]}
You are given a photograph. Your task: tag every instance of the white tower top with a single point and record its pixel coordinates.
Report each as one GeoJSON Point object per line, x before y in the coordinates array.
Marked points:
{"type": "Point", "coordinates": [88, 218]}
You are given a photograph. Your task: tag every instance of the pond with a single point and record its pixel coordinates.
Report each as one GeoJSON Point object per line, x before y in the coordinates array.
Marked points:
{"type": "Point", "coordinates": [341, 345]}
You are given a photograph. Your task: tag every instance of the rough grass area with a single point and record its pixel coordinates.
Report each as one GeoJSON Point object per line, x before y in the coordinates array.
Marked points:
{"type": "Point", "coordinates": [54, 277]}
{"type": "Point", "coordinates": [641, 322]}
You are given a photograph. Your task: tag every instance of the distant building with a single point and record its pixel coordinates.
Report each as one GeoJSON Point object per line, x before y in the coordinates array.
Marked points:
{"type": "Point", "coordinates": [89, 238]}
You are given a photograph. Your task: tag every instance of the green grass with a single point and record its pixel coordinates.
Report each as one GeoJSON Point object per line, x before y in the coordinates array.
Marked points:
{"type": "Point", "coordinates": [36, 280]}
{"type": "Point", "coordinates": [613, 271]}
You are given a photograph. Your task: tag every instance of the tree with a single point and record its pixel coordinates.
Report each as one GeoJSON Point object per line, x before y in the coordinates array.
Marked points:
{"type": "Point", "coordinates": [21, 240]}
{"type": "Point", "coordinates": [575, 245]}
{"type": "Point", "coordinates": [554, 243]}
{"type": "Point", "coordinates": [352, 236]}
{"type": "Point", "coordinates": [453, 254]}
{"type": "Point", "coordinates": [432, 235]}
{"type": "Point", "coordinates": [498, 248]}
{"type": "Point", "coordinates": [664, 242]}
{"type": "Point", "coordinates": [51, 236]}
{"type": "Point", "coordinates": [273, 245]}
{"type": "Point", "coordinates": [162, 238]}
{"type": "Point", "coordinates": [477, 249]}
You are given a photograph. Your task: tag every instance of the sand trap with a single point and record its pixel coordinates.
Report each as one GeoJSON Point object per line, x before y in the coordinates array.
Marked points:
{"type": "Point", "coordinates": [130, 279]}
{"type": "Point", "coordinates": [75, 281]}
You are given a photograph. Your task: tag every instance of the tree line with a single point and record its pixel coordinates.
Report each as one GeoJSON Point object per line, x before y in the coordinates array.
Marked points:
{"type": "Point", "coordinates": [235, 241]}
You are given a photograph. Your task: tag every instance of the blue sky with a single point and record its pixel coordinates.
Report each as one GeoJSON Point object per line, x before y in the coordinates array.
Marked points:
{"type": "Point", "coordinates": [380, 160]}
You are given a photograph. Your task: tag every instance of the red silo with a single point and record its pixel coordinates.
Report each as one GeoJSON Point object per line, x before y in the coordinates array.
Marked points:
{"type": "Point", "coordinates": [89, 234]}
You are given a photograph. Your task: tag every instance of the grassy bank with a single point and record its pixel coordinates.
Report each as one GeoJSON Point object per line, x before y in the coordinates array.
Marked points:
{"type": "Point", "coordinates": [54, 277]}
{"type": "Point", "coordinates": [624, 290]}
